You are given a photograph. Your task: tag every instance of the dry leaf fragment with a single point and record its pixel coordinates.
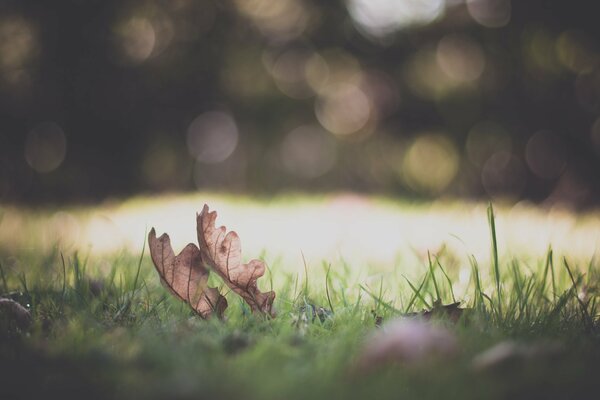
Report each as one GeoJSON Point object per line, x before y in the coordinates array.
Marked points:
{"type": "Point", "coordinates": [452, 312]}
{"type": "Point", "coordinates": [222, 251]}
{"type": "Point", "coordinates": [185, 275]}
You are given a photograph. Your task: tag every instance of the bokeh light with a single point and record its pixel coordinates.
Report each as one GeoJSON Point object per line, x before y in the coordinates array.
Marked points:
{"type": "Point", "coordinates": [570, 189]}
{"type": "Point", "coordinates": [379, 18]}
{"type": "Point", "coordinates": [343, 109]}
{"type": "Point", "coordinates": [142, 34]}
{"type": "Point", "coordinates": [460, 58]}
{"type": "Point", "coordinates": [289, 70]}
{"type": "Point", "coordinates": [544, 154]}
{"type": "Point", "coordinates": [503, 175]}
{"type": "Point", "coordinates": [279, 20]}
{"type": "Point", "coordinates": [576, 52]}
{"type": "Point", "coordinates": [308, 152]}
{"type": "Point", "coordinates": [490, 13]}
{"type": "Point", "coordinates": [539, 52]}
{"type": "Point", "coordinates": [18, 49]}
{"type": "Point", "coordinates": [430, 163]}
{"type": "Point", "coordinates": [316, 71]}
{"type": "Point", "coordinates": [46, 147]}
{"type": "Point", "coordinates": [362, 78]}
{"type": "Point", "coordinates": [136, 38]}
{"type": "Point", "coordinates": [424, 77]}
{"type": "Point", "coordinates": [334, 66]}
{"type": "Point", "coordinates": [17, 42]}
{"type": "Point", "coordinates": [382, 91]}
{"type": "Point", "coordinates": [212, 137]}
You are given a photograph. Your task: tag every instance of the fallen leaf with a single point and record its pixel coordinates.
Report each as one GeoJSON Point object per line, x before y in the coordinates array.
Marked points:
{"type": "Point", "coordinates": [222, 251]}
{"type": "Point", "coordinates": [407, 341]}
{"type": "Point", "coordinates": [453, 312]}
{"type": "Point", "coordinates": [185, 276]}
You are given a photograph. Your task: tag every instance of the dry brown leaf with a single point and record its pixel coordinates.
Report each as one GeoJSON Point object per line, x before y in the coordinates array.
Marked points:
{"type": "Point", "coordinates": [185, 275]}
{"type": "Point", "coordinates": [452, 312]}
{"type": "Point", "coordinates": [222, 251]}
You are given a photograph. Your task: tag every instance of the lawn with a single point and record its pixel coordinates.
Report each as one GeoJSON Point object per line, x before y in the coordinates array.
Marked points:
{"type": "Point", "coordinates": [345, 269]}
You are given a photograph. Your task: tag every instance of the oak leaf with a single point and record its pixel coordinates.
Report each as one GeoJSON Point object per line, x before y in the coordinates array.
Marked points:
{"type": "Point", "coordinates": [222, 251]}
{"type": "Point", "coordinates": [185, 276]}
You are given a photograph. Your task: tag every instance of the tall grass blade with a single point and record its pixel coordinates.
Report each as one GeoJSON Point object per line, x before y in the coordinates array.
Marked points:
{"type": "Point", "coordinates": [495, 262]}
{"type": "Point", "coordinates": [327, 289]}
{"type": "Point", "coordinates": [432, 273]}
{"type": "Point", "coordinates": [583, 306]}
{"type": "Point", "coordinates": [478, 295]}
{"type": "Point", "coordinates": [305, 273]}
{"type": "Point", "coordinates": [447, 279]}
{"type": "Point", "coordinates": [379, 300]}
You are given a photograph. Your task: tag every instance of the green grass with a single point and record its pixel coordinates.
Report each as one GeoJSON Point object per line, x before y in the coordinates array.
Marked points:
{"type": "Point", "coordinates": [105, 328]}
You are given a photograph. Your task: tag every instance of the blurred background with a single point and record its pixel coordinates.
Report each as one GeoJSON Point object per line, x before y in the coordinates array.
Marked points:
{"type": "Point", "coordinates": [415, 98]}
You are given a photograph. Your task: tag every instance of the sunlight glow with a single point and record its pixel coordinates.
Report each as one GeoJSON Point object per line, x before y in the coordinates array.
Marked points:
{"type": "Point", "coordinates": [212, 137]}
{"type": "Point", "coordinates": [360, 230]}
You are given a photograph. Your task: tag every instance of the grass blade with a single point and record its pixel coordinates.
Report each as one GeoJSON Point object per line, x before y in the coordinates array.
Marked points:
{"type": "Point", "coordinates": [495, 263]}
{"type": "Point", "coordinates": [417, 292]}
{"type": "Point", "coordinates": [327, 289]}
{"type": "Point", "coordinates": [447, 279]}
{"type": "Point", "coordinates": [379, 300]}
{"type": "Point", "coordinates": [432, 272]}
